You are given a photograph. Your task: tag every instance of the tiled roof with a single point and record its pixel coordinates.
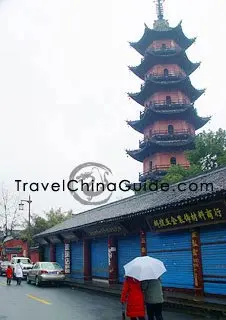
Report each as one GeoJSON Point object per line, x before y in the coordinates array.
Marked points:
{"type": "Point", "coordinates": [150, 201]}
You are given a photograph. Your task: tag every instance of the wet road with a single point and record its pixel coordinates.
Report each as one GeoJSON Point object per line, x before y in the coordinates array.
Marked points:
{"type": "Point", "coordinates": [28, 302]}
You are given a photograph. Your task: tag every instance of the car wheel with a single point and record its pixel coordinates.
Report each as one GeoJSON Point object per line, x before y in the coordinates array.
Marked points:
{"type": "Point", "coordinates": [37, 282]}
{"type": "Point", "coordinates": [28, 280]}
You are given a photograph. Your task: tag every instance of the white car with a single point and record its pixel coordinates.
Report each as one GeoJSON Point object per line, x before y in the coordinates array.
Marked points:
{"type": "Point", "coordinates": [25, 263]}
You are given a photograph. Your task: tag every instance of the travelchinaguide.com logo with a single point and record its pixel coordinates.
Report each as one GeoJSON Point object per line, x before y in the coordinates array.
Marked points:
{"type": "Point", "coordinates": [90, 183]}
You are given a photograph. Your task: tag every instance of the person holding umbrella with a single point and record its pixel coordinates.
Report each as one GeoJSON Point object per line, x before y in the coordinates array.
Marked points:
{"type": "Point", "coordinates": [147, 271]}
{"type": "Point", "coordinates": [153, 296]}
{"type": "Point", "coordinates": [132, 295]}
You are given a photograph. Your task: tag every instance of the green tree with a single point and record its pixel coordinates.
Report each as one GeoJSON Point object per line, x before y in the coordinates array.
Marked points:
{"type": "Point", "coordinates": [210, 150]}
{"type": "Point", "coordinates": [178, 173]}
{"type": "Point", "coordinates": [40, 224]}
{"type": "Point", "coordinates": [54, 217]}
{"type": "Point", "coordinates": [209, 153]}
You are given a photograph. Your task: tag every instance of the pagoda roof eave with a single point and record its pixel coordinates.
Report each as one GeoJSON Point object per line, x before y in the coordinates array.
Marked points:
{"type": "Point", "coordinates": [150, 87]}
{"type": "Point", "coordinates": [153, 147]}
{"type": "Point", "coordinates": [149, 35]}
{"type": "Point", "coordinates": [138, 154]}
{"type": "Point", "coordinates": [136, 125]}
{"type": "Point", "coordinates": [197, 121]}
{"type": "Point", "coordinates": [181, 59]}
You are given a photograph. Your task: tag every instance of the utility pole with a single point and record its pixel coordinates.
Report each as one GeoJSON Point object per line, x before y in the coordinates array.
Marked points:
{"type": "Point", "coordinates": [21, 205]}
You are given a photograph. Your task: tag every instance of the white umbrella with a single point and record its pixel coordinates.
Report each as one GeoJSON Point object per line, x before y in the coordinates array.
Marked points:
{"type": "Point", "coordinates": [144, 268]}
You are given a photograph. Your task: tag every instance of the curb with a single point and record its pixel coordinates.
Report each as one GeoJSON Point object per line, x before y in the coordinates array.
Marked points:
{"type": "Point", "coordinates": [209, 310]}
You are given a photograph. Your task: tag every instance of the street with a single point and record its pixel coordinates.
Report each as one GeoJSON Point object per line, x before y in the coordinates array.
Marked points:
{"type": "Point", "coordinates": [28, 302]}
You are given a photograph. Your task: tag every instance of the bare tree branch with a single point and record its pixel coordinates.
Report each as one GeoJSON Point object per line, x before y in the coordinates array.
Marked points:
{"type": "Point", "coordinates": [9, 217]}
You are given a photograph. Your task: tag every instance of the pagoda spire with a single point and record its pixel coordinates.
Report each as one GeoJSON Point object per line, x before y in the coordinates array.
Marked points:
{"type": "Point", "coordinates": [159, 7]}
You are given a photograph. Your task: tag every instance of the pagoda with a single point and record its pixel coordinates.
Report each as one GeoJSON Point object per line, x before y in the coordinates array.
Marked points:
{"type": "Point", "coordinates": [169, 119]}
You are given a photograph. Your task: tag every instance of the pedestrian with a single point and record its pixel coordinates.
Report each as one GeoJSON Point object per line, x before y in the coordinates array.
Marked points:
{"type": "Point", "coordinates": [9, 274]}
{"type": "Point", "coordinates": [132, 295]}
{"type": "Point", "coordinates": [153, 296]}
{"type": "Point", "coordinates": [18, 272]}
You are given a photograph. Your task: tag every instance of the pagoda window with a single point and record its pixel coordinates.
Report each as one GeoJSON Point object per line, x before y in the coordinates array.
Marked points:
{"type": "Point", "coordinates": [150, 165]}
{"type": "Point", "coordinates": [173, 161]}
{"type": "Point", "coordinates": [168, 100]}
{"type": "Point", "coordinates": [166, 72]}
{"type": "Point", "coordinates": [170, 129]}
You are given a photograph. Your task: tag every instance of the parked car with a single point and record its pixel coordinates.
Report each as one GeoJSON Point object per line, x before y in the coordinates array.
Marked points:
{"type": "Point", "coordinates": [48, 272]}
{"type": "Point", "coordinates": [25, 263]}
{"type": "Point", "coordinates": [3, 267]}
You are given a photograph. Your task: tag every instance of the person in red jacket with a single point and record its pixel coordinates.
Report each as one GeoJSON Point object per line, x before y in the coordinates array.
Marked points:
{"type": "Point", "coordinates": [132, 295]}
{"type": "Point", "coordinates": [9, 275]}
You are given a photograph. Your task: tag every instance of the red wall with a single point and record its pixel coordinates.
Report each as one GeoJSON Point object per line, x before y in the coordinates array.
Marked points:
{"type": "Point", "coordinates": [161, 96]}
{"type": "Point", "coordinates": [16, 243]}
{"type": "Point", "coordinates": [159, 69]}
{"type": "Point", "coordinates": [164, 159]}
{"type": "Point", "coordinates": [34, 256]}
{"type": "Point", "coordinates": [163, 125]}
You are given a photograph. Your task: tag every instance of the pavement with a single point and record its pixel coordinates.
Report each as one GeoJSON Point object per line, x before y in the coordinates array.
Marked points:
{"type": "Point", "coordinates": [213, 307]}
{"type": "Point", "coordinates": [29, 302]}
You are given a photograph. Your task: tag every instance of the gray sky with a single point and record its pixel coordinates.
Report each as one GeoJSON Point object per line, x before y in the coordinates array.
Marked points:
{"type": "Point", "coordinates": [64, 78]}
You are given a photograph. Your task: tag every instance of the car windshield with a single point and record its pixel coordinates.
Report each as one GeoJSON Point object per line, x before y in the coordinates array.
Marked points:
{"type": "Point", "coordinates": [24, 261]}
{"type": "Point", "coordinates": [50, 266]}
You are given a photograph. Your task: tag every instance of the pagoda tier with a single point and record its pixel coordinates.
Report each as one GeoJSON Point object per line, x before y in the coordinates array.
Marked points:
{"type": "Point", "coordinates": [179, 58]}
{"type": "Point", "coordinates": [157, 172]}
{"type": "Point", "coordinates": [161, 111]}
{"type": "Point", "coordinates": [162, 32]}
{"type": "Point", "coordinates": [165, 83]}
{"type": "Point", "coordinates": [162, 141]}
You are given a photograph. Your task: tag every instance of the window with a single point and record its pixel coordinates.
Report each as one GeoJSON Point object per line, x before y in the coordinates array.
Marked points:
{"type": "Point", "coordinates": [163, 46]}
{"type": "Point", "coordinates": [170, 129]}
{"type": "Point", "coordinates": [168, 100]}
{"type": "Point", "coordinates": [150, 165]}
{"type": "Point", "coordinates": [166, 72]}
{"type": "Point", "coordinates": [173, 161]}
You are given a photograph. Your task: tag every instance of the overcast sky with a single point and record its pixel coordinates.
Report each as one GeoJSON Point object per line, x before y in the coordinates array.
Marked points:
{"type": "Point", "coordinates": [64, 78]}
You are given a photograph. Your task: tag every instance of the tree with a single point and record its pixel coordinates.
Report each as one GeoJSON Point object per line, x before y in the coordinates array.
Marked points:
{"type": "Point", "coordinates": [9, 218]}
{"type": "Point", "coordinates": [210, 150]}
{"type": "Point", "coordinates": [55, 217]}
{"type": "Point", "coordinates": [209, 153]}
{"type": "Point", "coordinates": [40, 224]}
{"type": "Point", "coordinates": [178, 173]}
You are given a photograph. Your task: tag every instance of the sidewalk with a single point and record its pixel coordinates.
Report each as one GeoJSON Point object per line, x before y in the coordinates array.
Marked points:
{"type": "Point", "coordinates": [196, 305]}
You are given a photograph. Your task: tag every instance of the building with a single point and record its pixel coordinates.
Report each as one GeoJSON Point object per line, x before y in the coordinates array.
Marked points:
{"type": "Point", "coordinates": [169, 120]}
{"type": "Point", "coordinates": [13, 246]}
{"type": "Point", "coordinates": [185, 227]}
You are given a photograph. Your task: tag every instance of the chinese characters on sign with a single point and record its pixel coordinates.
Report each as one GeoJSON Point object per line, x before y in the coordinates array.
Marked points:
{"type": "Point", "coordinates": [196, 217]}
{"type": "Point", "coordinates": [197, 262]}
{"type": "Point", "coordinates": [143, 243]}
{"type": "Point", "coordinates": [67, 258]}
